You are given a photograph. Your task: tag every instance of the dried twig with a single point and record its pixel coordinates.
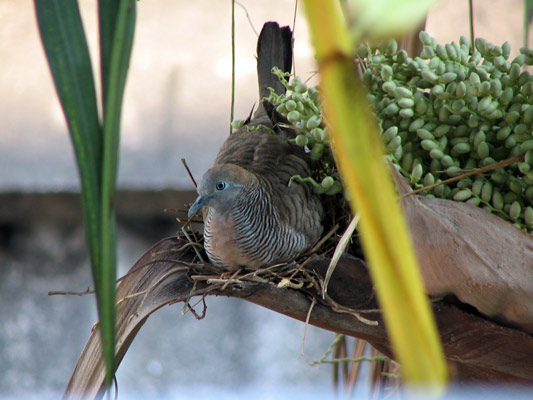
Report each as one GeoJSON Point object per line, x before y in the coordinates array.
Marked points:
{"type": "Point", "coordinates": [193, 311]}
{"type": "Point", "coordinates": [69, 293]}
{"type": "Point", "coordinates": [313, 302]}
{"type": "Point", "coordinates": [247, 17]}
{"type": "Point", "coordinates": [475, 171]}
{"type": "Point", "coordinates": [184, 162]}
{"type": "Point", "coordinates": [186, 234]}
{"type": "Point", "coordinates": [339, 251]}
{"type": "Point", "coordinates": [342, 309]}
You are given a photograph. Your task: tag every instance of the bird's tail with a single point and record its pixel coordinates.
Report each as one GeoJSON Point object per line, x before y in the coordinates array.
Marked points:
{"type": "Point", "coordinates": [274, 49]}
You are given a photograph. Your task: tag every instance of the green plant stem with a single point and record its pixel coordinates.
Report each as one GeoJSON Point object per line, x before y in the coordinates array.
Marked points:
{"type": "Point", "coordinates": [353, 360]}
{"type": "Point", "coordinates": [528, 10]}
{"type": "Point", "coordinates": [471, 20]}
{"type": "Point", "coordinates": [232, 64]}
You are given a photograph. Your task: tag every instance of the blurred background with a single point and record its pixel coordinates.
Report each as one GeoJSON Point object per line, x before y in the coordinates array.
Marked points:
{"type": "Point", "coordinates": [177, 105]}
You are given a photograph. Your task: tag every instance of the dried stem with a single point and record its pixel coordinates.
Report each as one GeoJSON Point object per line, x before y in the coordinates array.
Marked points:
{"type": "Point", "coordinates": [475, 171]}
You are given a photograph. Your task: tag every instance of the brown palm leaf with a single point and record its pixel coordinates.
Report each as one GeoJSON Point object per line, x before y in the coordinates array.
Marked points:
{"type": "Point", "coordinates": [465, 251]}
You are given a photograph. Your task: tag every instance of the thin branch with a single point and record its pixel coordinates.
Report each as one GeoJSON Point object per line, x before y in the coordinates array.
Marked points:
{"type": "Point", "coordinates": [336, 340]}
{"type": "Point", "coordinates": [231, 280]}
{"type": "Point", "coordinates": [69, 293]}
{"type": "Point", "coordinates": [339, 251]}
{"type": "Point", "coordinates": [184, 162]}
{"type": "Point", "coordinates": [293, 30]}
{"type": "Point", "coordinates": [349, 359]}
{"type": "Point", "coordinates": [471, 19]}
{"type": "Point", "coordinates": [342, 309]}
{"type": "Point", "coordinates": [313, 302]}
{"type": "Point", "coordinates": [475, 171]}
{"type": "Point", "coordinates": [189, 238]}
{"type": "Point", "coordinates": [232, 63]}
{"type": "Point", "coordinates": [193, 311]}
{"type": "Point", "coordinates": [248, 17]}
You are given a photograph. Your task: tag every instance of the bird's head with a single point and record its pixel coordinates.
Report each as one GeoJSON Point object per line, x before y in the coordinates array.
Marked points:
{"type": "Point", "coordinates": [220, 187]}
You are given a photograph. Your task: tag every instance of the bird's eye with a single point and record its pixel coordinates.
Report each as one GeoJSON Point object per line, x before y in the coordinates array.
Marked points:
{"type": "Point", "coordinates": [221, 185]}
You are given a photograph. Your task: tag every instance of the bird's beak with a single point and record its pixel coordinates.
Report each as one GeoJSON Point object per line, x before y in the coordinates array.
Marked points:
{"type": "Point", "coordinates": [198, 204]}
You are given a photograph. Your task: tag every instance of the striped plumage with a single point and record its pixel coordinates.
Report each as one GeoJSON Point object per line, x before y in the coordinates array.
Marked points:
{"type": "Point", "coordinates": [252, 217]}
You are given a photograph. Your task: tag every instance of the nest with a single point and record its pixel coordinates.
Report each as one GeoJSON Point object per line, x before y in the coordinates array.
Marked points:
{"type": "Point", "coordinates": [292, 275]}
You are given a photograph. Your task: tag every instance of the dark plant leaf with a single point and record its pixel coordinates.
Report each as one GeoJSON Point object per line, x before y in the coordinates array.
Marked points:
{"type": "Point", "coordinates": [107, 18]}
{"type": "Point", "coordinates": [115, 67]}
{"type": "Point", "coordinates": [96, 147]}
{"type": "Point", "coordinates": [65, 46]}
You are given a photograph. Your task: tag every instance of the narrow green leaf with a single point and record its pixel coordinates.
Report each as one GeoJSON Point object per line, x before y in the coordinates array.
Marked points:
{"type": "Point", "coordinates": [118, 68]}
{"type": "Point", "coordinates": [107, 18]}
{"type": "Point", "coordinates": [114, 84]}
{"type": "Point", "coordinates": [65, 46]}
{"type": "Point", "coordinates": [384, 233]}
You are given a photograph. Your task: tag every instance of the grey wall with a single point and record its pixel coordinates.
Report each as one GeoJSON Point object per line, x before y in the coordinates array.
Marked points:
{"type": "Point", "coordinates": [238, 346]}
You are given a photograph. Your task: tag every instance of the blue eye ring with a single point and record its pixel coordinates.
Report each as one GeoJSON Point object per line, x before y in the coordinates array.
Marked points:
{"type": "Point", "coordinates": [221, 185]}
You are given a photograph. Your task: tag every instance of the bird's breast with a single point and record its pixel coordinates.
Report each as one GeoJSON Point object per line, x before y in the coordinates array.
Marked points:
{"type": "Point", "coordinates": [221, 243]}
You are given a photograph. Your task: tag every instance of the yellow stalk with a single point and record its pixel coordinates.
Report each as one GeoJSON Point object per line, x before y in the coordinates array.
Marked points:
{"type": "Point", "coordinates": [384, 233]}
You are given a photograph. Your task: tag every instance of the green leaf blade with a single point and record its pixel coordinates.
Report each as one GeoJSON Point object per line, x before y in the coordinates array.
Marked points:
{"type": "Point", "coordinates": [65, 46]}
{"type": "Point", "coordinates": [383, 229]}
{"type": "Point", "coordinates": [107, 18]}
{"type": "Point", "coordinates": [114, 71]}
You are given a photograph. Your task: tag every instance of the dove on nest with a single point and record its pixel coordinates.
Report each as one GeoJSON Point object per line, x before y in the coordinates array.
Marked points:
{"type": "Point", "coordinates": [252, 216]}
